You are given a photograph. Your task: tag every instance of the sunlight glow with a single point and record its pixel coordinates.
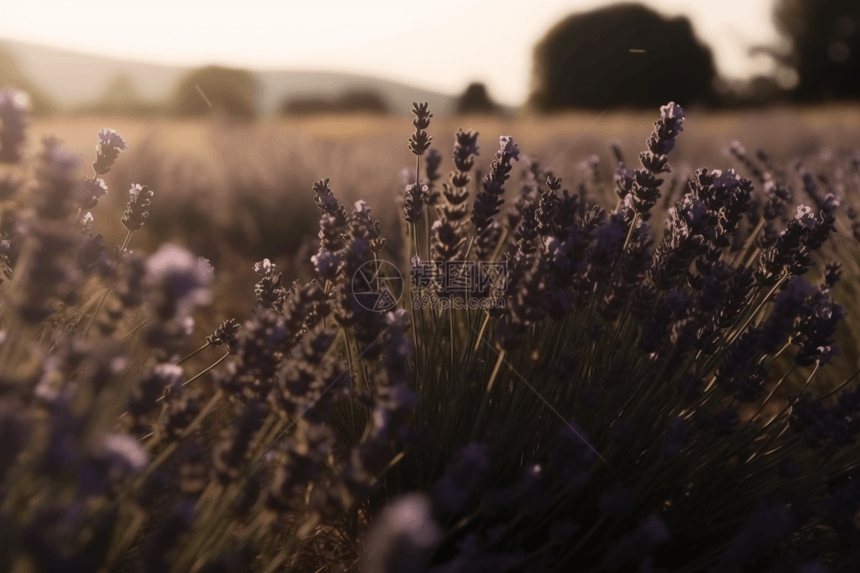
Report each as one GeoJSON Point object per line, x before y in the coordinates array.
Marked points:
{"type": "Point", "coordinates": [441, 45]}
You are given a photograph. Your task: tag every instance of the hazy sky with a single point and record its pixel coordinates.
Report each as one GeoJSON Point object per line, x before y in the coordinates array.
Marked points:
{"type": "Point", "coordinates": [438, 44]}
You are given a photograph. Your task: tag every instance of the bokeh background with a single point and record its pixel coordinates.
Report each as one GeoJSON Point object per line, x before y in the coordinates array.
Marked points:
{"type": "Point", "coordinates": [231, 111]}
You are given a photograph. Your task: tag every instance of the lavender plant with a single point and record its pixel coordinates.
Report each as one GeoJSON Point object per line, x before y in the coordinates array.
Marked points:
{"type": "Point", "coordinates": [556, 386]}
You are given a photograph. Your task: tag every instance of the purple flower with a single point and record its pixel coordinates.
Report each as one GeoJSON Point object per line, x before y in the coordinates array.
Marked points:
{"type": "Point", "coordinates": [61, 162]}
{"type": "Point", "coordinates": [402, 537]}
{"type": "Point", "coordinates": [420, 141]}
{"type": "Point", "coordinates": [399, 321]}
{"type": "Point", "coordinates": [489, 200]}
{"type": "Point", "coordinates": [326, 264]}
{"type": "Point", "coordinates": [325, 199]}
{"type": "Point", "coordinates": [136, 213]}
{"type": "Point", "coordinates": [508, 146]}
{"type": "Point", "coordinates": [462, 478]}
{"type": "Point", "coordinates": [654, 529]}
{"type": "Point", "coordinates": [676, 300]}
{"type": "Point", "coordinates": [264, 267]}
{"type": "Point", "coordinates": [765, 529]}
{"type": "Point", "coordinates": [107, 150]}
{"type": "Point", "coordinates": [89, 192]}
{"type": "Point", "coordinates": [805, 216]}
{"type": "Point", "coordinates": [825, 354]}
{"type": "Point", "coordinates": [637, 545]}
{"type": "Point", "coordinates": [180, 280]}
{"type": "Point", "coordinates": [624, 178]}
{"type": "Point", "coordinates": [432, 161]}
{"type": "Point", "coordinates": [662, 140]}
{"type": "Point", "coordinates": [674, 114]}
{"type": "Point", "coordinates": [361, 208]}
{"type": "Point", "coordinates": [109, 138]}
{"type": "Point", "coordinates": [608, 236]}
{"type": "Point", "coordinates": [725, 180]}
{"type": "Point", "coordinates": [465, 150]}
{"type": "Point", "coordinates": [124, 452]}
{"type": "Point", "coordinates": [99, 188]}
{"type": "Point", "coordinates": [413, 202]}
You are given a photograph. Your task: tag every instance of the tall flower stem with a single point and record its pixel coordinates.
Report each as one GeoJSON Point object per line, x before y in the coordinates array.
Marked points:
{"type": "Point", "coordinates": [486, 398]}
{"type": "Point", "coordinates": [170, 449]}
{"type": "Point", "coordinates": [207, 369]}
{"type": "Point", "coordinates": [109, 289]}
{"type": "Point", "coordinates": [193, 354]}
{"type": "Point", "coordinates": [772, 392]}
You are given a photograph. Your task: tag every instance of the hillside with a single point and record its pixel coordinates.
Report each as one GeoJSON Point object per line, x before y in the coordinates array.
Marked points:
{"type": "Point", "coordinates": [75, 80]}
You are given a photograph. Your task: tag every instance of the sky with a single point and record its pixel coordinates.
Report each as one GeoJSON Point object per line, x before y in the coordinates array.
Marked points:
{"type": "Point", "coordinates": [440, 44]}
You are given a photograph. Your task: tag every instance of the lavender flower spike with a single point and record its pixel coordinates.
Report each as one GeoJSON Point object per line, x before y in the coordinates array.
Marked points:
{"type": "Point", "coordinates": [420, 141]}
{"type": "Point", "coordinates": [489, 200]}
{"type": "Point", "coordinates": [136, 213]}
{"type": "Point", "coordinates": [645, 189]}
{"type": "Point", "coordinates": [180, 282]}
{"type": "Point", "coordinates": [666, 129]}
{"type": "Point", "coordinates": [107, 150]}
{"type": "Point", "coordinates": [90, 191]}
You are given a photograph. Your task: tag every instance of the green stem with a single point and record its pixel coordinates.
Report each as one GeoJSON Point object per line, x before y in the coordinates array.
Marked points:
{"type": "Point", "coordinates": [168, 451]}
{"type": "Point", "coordinates": [748, 243]}
{"type": "Point", "coordinates": [189, 381]}
{"type": "Point", "coordinates": [772, 392]}
{"type": "Point", "coordinates": [486, 398]}
{"type": "Point", "coordinates": [107, 292]}
{"type": "Point", "coordinates": [96, 312]}
{"type": "Point", "coordinates": [210, 367]}
{"type": "Point", "coordinates": [832, 392]}
{"type": "Point", "coordinates": [193, 354]}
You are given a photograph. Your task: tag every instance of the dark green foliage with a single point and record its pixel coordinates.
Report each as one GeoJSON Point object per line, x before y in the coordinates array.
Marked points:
{"type": "Point", "coordinates": [585, 61]}
{"type": "Point", "coordinates": [825, 47]}
{"type": "Point", "coordinates": [353, 101]}
{"type": "Point", "coordinates": [228, 89]}
{"type": "Point", "coordinates": [475, 99]}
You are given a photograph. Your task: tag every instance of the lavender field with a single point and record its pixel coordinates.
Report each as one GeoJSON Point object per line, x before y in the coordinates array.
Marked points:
{"type": "Point", "coordinates": [590, 342]}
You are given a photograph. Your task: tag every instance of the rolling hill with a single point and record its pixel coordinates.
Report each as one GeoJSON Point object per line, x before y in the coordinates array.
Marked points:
{"type": "Point", "coordinates": [76, 81]}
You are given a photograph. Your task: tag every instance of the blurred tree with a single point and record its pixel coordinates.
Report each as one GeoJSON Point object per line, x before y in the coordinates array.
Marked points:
{"type": "Point", "coordinates": [353, 101]}
{"type": "Point", "coordinates": [305, 105]}
{"type": "Point", "coordinates": [11, 76]}
{"type": "Point", "coordinates": [760, 90]}
{"type": "Point", "coordinates": [625, 54]}
{"type": "Point", "coordinates": [475, 100]}
{"type": "Point", "coordinates": [231, 90]}
{"type": "Point", "coordinates": [121, 98]}
{"type": "Point", "coordinates": [363, 101]}
{"type": "Point", "coordinates": [824, 47]}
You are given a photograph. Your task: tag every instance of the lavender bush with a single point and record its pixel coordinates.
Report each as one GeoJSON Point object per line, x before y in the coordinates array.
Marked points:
{"type": "Point", "coordinates": [605, 396]}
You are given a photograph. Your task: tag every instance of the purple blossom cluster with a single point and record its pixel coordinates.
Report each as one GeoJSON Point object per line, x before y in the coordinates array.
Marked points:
{"type": "Point", "coordinates": [642, 401]}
